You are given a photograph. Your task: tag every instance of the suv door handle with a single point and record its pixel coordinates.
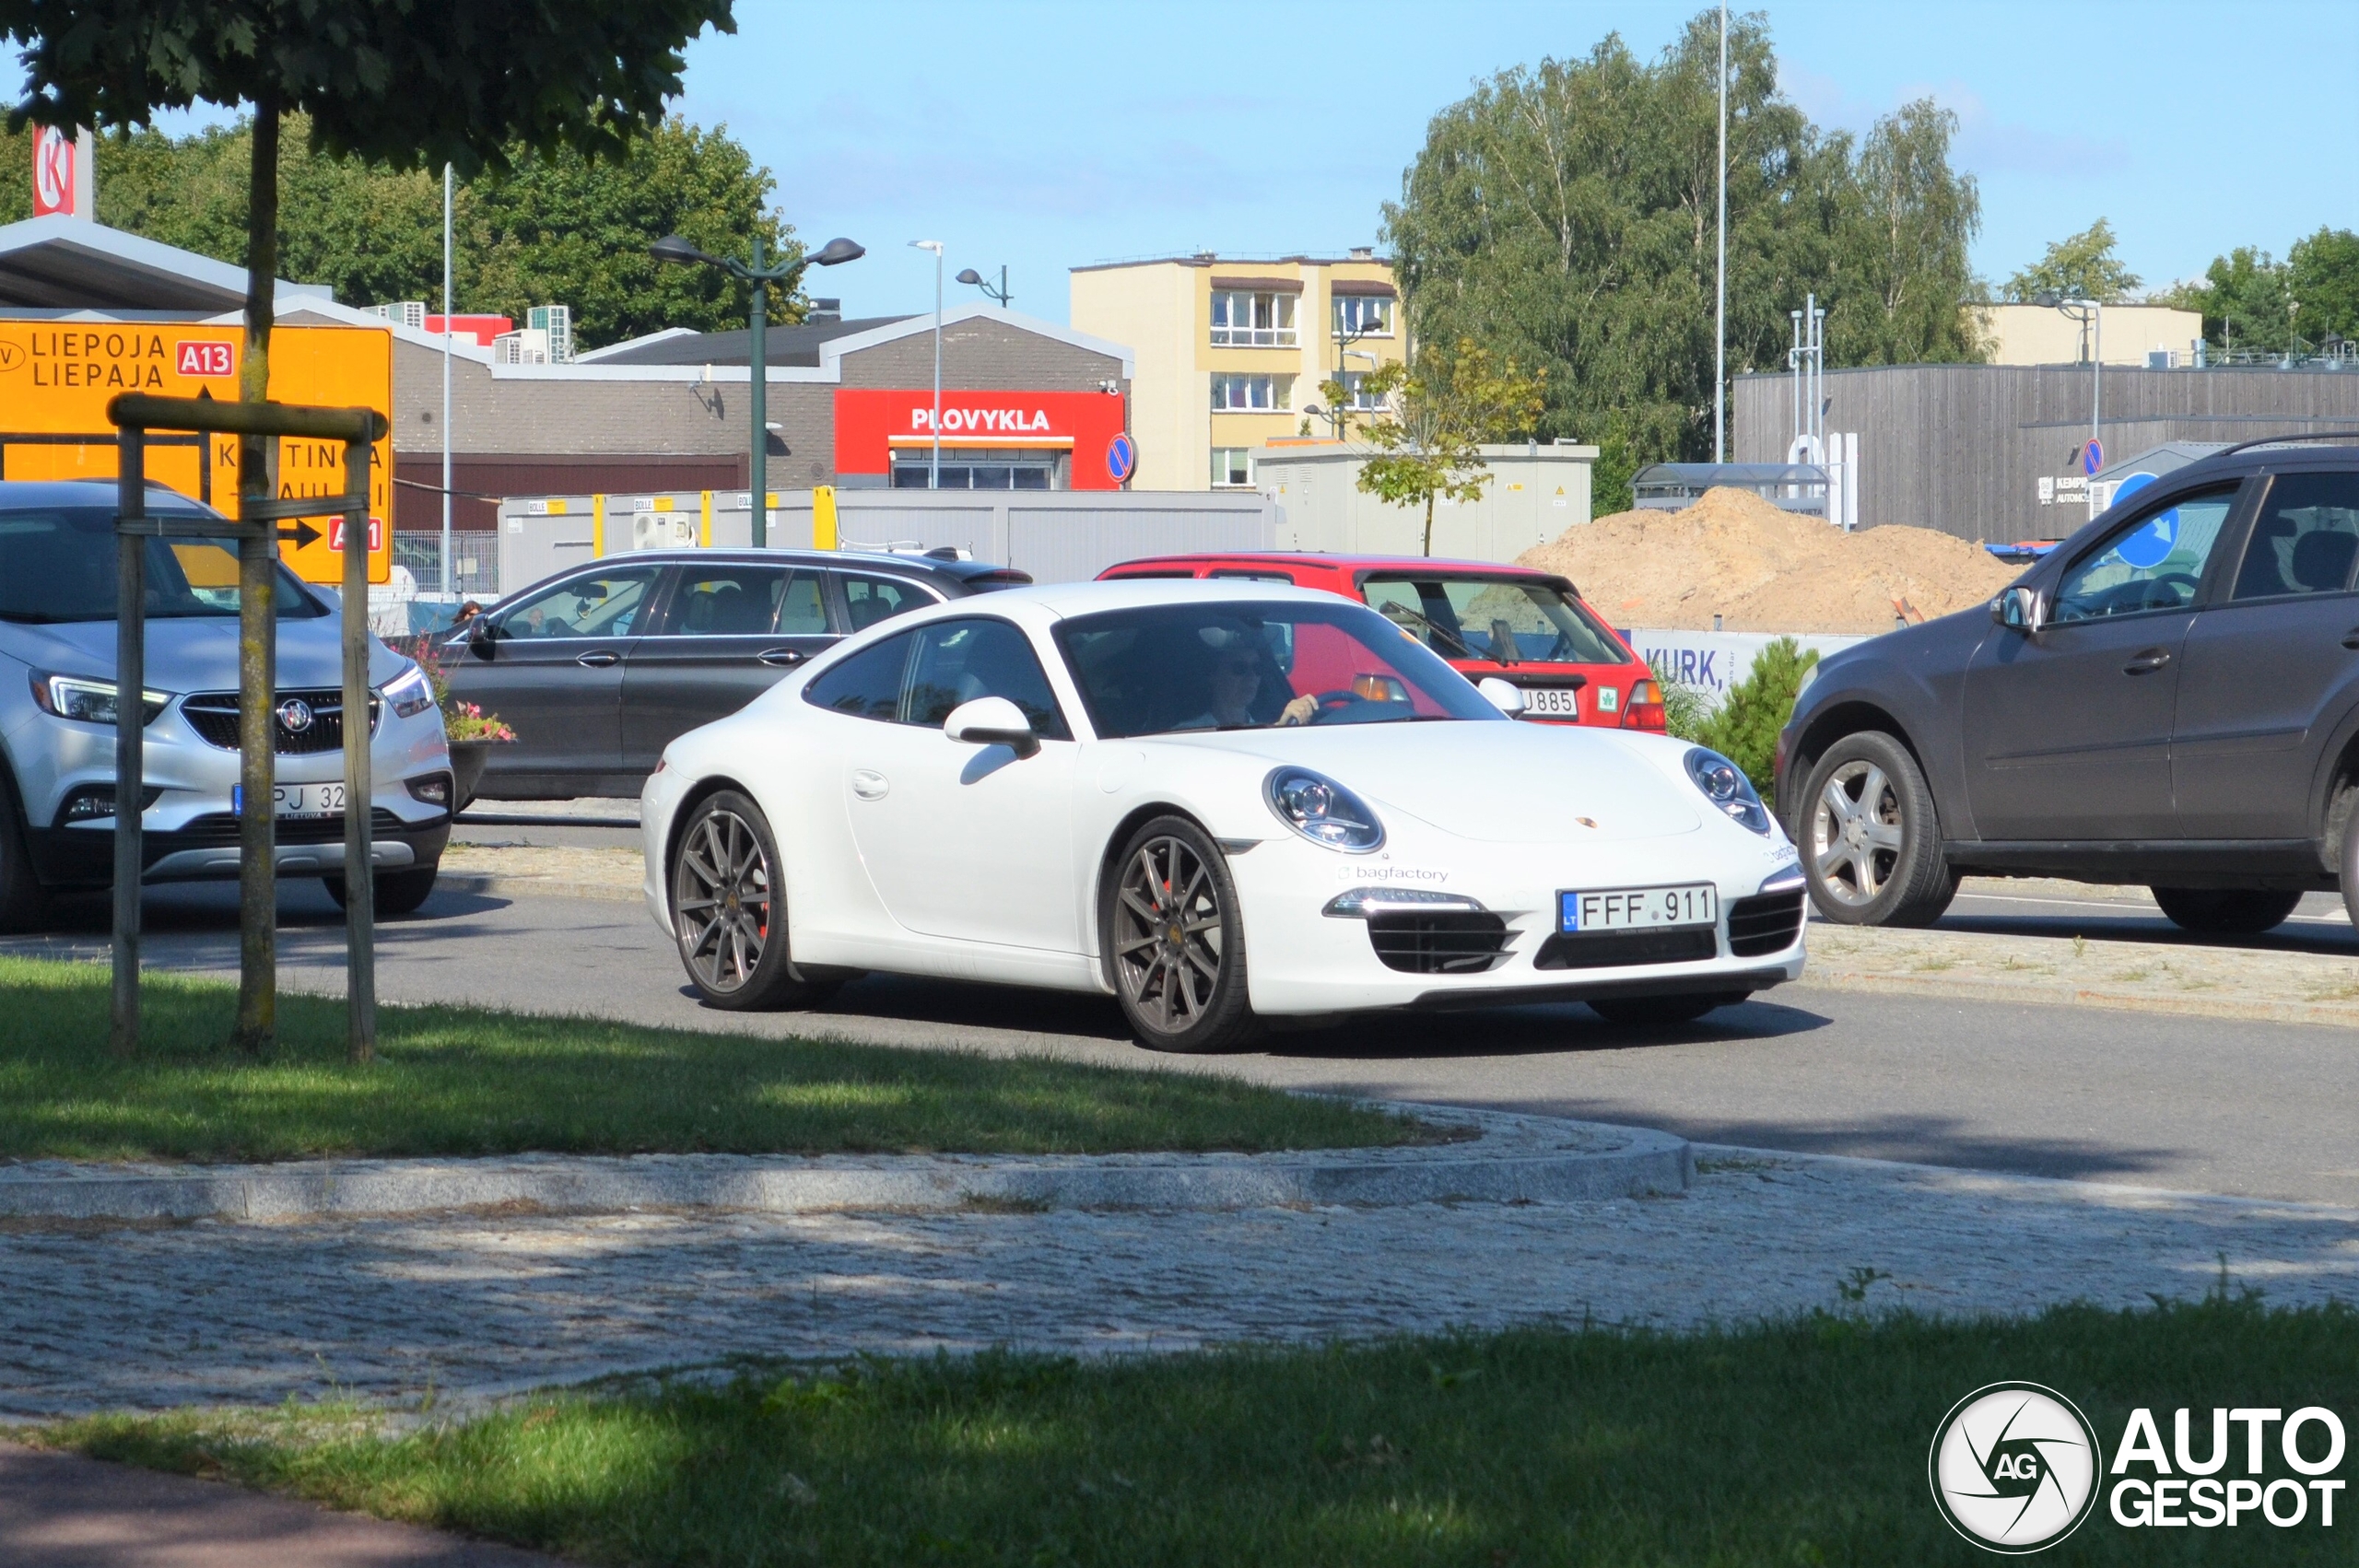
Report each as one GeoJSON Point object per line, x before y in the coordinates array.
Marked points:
{"type": "Point", "coordinates": [599, 659]}
{"type": "Point", "coordinates": [2146, 663]}
{"type": "Point", "coordinates": [782, 657]}
{"type": "Point", "coordinates": [2350, 639]}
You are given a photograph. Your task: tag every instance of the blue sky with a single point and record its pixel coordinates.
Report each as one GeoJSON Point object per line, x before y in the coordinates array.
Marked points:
{"type": "Point", "coordinates": [1046, 133]}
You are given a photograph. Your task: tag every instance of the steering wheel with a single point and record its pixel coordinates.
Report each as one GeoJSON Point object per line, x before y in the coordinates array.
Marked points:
{"type": "Point", "coordinates": [1339, 699]}
{"type": "Point", "coordinates": [2175, 577]}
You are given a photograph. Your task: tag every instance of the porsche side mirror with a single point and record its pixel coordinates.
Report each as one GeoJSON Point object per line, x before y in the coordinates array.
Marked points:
{"type": "Point", "coordinates": [1505, 695]}
{"type": "Point", "coordinates": [2018, 609]}
{"type": "Point", "coordinates": [991, 721]}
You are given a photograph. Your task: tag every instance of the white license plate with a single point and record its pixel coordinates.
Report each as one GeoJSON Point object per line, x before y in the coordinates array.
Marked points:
{"type": "Point", "coordinates": [1638, 909]}
{"type": "Point", "coordinates": [1553, 702]}
{"type": "Point", "coordinates": [296, 799]}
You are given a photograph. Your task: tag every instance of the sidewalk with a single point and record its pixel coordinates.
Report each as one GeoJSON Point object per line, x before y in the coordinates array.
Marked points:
{"type": "Point", "coordinates": [63, 1511]}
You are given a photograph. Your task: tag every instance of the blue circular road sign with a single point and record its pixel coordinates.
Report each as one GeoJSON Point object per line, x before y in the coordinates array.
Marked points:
{"type": "Point", "coordinates": [1121, 458]}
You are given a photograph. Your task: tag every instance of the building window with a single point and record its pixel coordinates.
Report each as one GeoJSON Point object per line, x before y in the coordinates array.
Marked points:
{"type": "Point", "coordinates": [1363, 315]}
{"type": "Point", "coordinates": [1253, 321]}
{"type": "Point", "coordinates": [1362, 401]}
{"type": "Point", "coordinates": [1252, 394]}
{"type": "Point", "coordinates": [1232, 467]}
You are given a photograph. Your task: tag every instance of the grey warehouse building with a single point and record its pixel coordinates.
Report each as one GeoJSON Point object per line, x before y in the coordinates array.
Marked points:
{"type": "Point", "coordinates": [1964, 448]}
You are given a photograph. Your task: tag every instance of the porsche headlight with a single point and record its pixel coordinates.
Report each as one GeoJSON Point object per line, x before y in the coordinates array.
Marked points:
{"type": "Point", "coordinates": [1322, 811]}
{"type": "Point", "coordinates": [1725, 785]}
{"type": "Point", "coordinates": [92, 702]}
{"type": "Point", "coordinates": [410, 692]}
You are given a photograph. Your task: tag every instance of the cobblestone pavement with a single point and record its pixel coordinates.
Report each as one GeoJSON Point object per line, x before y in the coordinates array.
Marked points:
{"type": "Point", "coordinates": [475, 1306]}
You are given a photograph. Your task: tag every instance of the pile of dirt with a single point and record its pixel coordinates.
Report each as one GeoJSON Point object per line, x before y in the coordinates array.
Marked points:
{"type": "Point", "coordinates": [1761, 569]}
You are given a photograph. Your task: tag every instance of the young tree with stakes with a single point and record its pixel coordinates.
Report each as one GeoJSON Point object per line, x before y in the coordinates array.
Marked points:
{"type": "Point", "coordinates": [402, 84]}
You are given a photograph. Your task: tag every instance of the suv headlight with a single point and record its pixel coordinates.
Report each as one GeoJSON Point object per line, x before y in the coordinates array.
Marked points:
{"type": "Point", "coordinates": [90, 702]}
{"type": "Point", "coordinates": [1725, 785]}
{"type": "Point", "coordinates": [1322, 811]}
{"type": "Point", "coordinates": [410, 692]}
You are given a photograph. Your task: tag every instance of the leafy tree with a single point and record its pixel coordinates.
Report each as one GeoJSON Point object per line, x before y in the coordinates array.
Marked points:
{"type": "Point", "coordinates": [403, 84]}
{"type": "Point", "coordinates": [2325, 281]}
{"type": "Point", "coordinates": [2081, 266]}
{"type": "Point", "coordinates": [555, 228]}
{"type": "Point", "coordinates": [1745, 728]}
{"type": "Point", "coordinates": [1428, 442]}
{"type": "Point", "coordinates": [1563, 215]}
{"type": "Point", "coordinates": [2248, 297]}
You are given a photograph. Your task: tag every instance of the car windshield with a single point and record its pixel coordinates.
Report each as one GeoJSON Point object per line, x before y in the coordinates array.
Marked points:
{"type": "Point", "coordinates": [1503, 621]}
{"type": "Point", "coordinates": [1253, 665]}
{"type": "Point", "coordinates": [58, 564]}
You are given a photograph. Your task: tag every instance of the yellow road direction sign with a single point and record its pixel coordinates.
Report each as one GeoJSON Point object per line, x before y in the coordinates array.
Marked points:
{"type": "Point", "coordinates": [55, 379]}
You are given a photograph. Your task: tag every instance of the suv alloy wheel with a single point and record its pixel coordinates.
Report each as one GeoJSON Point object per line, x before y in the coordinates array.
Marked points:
{"type": "Point", "coordinates": [1871, 841]}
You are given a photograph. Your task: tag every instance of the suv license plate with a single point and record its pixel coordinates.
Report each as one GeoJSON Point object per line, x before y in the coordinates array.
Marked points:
{"type": "Point", "coordinates": [1638, 909]}
{"type": "Point", "coordinates": [1553, 702]}
{"type": "Point", "coordinates": [296, 799]}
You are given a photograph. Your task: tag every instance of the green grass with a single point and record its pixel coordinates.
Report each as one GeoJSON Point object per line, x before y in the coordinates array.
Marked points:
{"type": "Point", "coordinates": [470, 1081]}
{"type": "Point", "coordinates": [1798, 1443]}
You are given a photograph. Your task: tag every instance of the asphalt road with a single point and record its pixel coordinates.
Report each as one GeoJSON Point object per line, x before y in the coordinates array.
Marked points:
{"type": "Point", "coordinates": [2192, 1104]}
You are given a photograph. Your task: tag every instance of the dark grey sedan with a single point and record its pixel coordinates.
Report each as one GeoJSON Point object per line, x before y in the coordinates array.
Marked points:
{"type": "Point", "coordinates": [599, 668]}
{"type": "Point", "coordinates": [2170, 697]}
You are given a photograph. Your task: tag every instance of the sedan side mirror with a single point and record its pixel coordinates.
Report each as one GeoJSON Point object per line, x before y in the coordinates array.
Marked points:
{"type": "Point", "coordinates": [991, 721]}
{"type": "Point", "coordinates": [1505, 695]}
{"type": "Point", "coordinates": [481, 640]}
{"type": "Point", "coordinates": [2018, 609]}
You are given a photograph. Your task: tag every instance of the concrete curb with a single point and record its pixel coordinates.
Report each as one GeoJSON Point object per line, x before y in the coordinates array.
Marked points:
{"type": "Point", "coordinates": [487, 884]}
{"type": "Point", "coordinates": [2038, 993]}
{"type": "Point", "coordinates": [1515, 1159]}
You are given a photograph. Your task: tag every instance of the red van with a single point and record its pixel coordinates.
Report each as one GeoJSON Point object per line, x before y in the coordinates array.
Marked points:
{"type": "Point", "coordinates": [1527, 627]}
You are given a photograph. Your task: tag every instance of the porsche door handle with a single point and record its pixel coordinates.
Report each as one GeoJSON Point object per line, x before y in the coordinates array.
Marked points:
{"type": "Point", "coordinates": [2147, 662]}
{"type": "Point", "coordinates": [869, 784]}
{"type": "Point", "coordinates": [600, 658]}
{"type": "Point", "coordinates": [782, 657]}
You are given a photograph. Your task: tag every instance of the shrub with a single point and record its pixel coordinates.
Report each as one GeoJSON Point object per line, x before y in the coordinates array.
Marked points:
{"type": "Point", "coordinates": [1745, 728]}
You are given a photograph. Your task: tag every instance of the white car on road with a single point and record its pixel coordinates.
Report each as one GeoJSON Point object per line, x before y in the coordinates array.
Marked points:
{"type": "Point", "coordinates": [1219, 801]}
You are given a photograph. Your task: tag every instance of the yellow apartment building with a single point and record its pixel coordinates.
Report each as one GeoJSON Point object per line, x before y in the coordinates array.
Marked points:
{"type": "Point", "coordinates": [1231, 351]}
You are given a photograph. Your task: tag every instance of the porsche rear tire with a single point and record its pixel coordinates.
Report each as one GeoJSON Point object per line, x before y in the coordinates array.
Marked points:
{"type": "Point", "coordinates": [1174, 941]}
{"type": "Point", "coordinates": [729, 909]}
{"type": "Point", "coordinates": [1661, 1008]}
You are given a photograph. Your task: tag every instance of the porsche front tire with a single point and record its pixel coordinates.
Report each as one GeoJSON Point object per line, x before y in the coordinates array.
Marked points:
{"type": "Point", "coordinates": [1174, 941]}
{"type": "Point", "coordinates": [729, 909]}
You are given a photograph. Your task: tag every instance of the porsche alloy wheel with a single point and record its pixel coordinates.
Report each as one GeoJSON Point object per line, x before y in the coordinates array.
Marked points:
{"type": "Point", "coordinates": [727, 910]}
{"type": "Point", "coordinates": [1175, 940]}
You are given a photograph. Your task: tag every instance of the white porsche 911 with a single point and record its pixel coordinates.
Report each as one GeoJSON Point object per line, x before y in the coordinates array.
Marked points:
{"type": "Point", "coordinates": [1221, 802]}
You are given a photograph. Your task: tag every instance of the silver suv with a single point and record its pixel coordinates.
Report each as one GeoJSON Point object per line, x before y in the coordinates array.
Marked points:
{"type": "Point", "coordinates": [57, 716]}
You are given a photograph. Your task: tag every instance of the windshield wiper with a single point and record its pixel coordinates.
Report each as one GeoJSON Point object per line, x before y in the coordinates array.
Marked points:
{"type": "Point", "coordinates": [1432, 626]}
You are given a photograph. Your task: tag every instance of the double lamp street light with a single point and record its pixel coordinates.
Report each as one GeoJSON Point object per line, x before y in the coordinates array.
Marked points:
{"type": "Point", "coordinates": [672, 248]}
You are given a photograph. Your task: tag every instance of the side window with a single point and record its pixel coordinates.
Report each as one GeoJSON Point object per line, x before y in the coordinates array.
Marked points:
{"type": "Point", "coordinates": [800, 610]}
{"type": "Point", "coordinates": [960, 661]}
{"type": "Point", "coordinates": [867, 684]}
{"type": "Point", "coordinates": [608, 604]}
{"type": "Point", "coordinates": [725, 602]}
{"type": "Point", "coordinates": [2306, 538]}
{"type": "Point", "coordinates": [2153, 563]}
{"type": "Point", "coordinates": [869, 600]}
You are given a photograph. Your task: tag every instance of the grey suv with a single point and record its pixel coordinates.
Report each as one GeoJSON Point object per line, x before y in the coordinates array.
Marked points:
{"type": "Point", "coordinates": [599, 668]}
{"type": "Point", "coordinates": [57, 716]}
{"type": "Point", "coordinates": [2170, 697]}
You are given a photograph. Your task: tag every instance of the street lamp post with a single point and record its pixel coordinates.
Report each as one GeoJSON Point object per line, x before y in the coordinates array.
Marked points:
{"type": "Point", "coordinates": [672, 248]}
{"type": "Point", "coordinates": [996, 296]}
{"type": "Point", "coordinates": [933, 475]}
{"type": "Point", "coordinates": [2091, 314]}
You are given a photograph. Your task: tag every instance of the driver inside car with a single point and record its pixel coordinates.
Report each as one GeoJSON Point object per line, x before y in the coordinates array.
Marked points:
{"type": "Point", "coordinates": [1233, 682]}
